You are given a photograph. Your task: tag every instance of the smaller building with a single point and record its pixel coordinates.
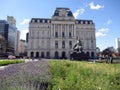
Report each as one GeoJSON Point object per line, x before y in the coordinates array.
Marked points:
{"type": "Point", "coordinates": [17, 41]}
{"type": "Point", "coordinates": [117, 42]}
{"type": "Point", "coordinates": [22, 48]}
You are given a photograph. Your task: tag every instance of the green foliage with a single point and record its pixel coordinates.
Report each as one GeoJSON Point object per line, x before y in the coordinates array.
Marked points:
{"type": "Point", "coordinates": [7, 62]}
{"type": "Point", "coordinates": [74, 75]}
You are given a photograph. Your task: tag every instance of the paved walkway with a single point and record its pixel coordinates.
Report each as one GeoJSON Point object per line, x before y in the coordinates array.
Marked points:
{"type": "Point", "coordinates": [2, 67]}
{"type": "Point", "coordinates": [26, 61]}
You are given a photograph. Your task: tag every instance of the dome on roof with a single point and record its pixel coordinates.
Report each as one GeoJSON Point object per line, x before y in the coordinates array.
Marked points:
{"type": "Point", "coordinates": [56, 13]}
{"type": "Point", "coordinates": [70, 13]}
{"type": "Point", "coordinates": [63, 12]}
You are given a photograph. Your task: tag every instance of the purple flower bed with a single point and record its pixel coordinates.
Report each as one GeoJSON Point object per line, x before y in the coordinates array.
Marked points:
{"type": "Point", "coordinates": [25, 76]}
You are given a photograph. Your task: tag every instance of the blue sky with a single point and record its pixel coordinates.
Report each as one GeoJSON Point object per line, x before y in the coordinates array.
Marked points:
{"type": "Point", "coordinates": [104, 13]}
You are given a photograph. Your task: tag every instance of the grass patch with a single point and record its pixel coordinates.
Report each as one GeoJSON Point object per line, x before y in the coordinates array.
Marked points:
{"type": "Point", "coordinates": [7, 62]}
{"type": "Point", "coordinates": [75, 75]}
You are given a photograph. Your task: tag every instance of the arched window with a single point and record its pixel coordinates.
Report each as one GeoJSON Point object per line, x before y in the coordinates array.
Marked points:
{"type": "Point", "coordinates": [88, 54]}
{"type": "Point", "coordinates": [92, 54]}
{"type": "Point", "coordinates": [63, 54]}
{"type": "Point", "coordinates": [56, 55]}
{"type": "Point", "coordinates": [37, 54]}
{"type": "Point", "coordinates": [48, 55]}
{"type": "Point", "coordinates": [32, 54]}
{"type": "Point", "coordinates": [42, 55]}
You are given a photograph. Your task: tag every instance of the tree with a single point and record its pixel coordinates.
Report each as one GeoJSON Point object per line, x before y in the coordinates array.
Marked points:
{"type": "Point", "coordinates": [108, 52]}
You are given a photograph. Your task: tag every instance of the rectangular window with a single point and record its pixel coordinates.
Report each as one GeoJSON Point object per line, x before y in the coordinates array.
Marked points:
{"type": "Point", "coordinates": [70, 44]}
{"type": "Point", "coordinates": [56, 34]}
{"type": "Point", "coordinates": [56, 44]}
{"type": "Point", "coordinates": [70, 35]}
{"type": "Point", "coordinates": [63, 44]}
{"type": "Point", "coordinates": [63, 34]}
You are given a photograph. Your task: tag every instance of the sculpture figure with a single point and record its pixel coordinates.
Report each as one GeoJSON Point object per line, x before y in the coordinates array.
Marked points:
{"type": "Point", "coordinates": [77, 52]}
{"type": "Point", "coordinates": [78, 47]}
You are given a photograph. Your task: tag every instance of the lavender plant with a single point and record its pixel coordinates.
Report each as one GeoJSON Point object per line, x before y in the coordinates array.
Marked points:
{"type": "Point", "coordinates": [25, 76]}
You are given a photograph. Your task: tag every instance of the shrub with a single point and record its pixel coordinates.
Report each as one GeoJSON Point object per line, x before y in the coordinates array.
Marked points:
{"type": "Point", "coordinates": [7, 62]}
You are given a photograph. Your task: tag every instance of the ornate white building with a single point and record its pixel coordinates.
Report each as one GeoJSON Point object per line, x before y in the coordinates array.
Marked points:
{"type": "Point", "coordinates": [55, 37]}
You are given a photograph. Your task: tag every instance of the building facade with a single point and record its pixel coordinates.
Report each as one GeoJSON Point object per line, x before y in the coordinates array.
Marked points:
{"type": "Point", "coordinates": [8, 33]}
{"type": "Point", "coordinates": [17, 42]}
{"type": "Point", "coordinates": [55, 37]}
{"type": "Point", "coordinates": [11, 20]}
{"type": "Point", "coordinates": [22, 47]}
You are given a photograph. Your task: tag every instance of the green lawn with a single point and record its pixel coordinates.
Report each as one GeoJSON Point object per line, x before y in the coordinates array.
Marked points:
{"type": "Point", "coordinates": [75, 75]}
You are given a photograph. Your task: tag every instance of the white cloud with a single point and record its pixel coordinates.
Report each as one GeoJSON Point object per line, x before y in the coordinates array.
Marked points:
{"type": "Point", "coordinates": [109, 22]}
{"type": "Point", "coordinates": [24, 22]}
{"type": "Point", "coordinates": [95, 7]}
{"type": "Point", "coordinates": [78, 12]}
{"type": "Point", "coordinates": [23, 34]}
{"type": "Point", "coordinates": [102, 32]}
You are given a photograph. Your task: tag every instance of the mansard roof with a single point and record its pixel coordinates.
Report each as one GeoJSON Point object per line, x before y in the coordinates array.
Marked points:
{"type": "Point", "coordinates": [46, 20]}
{"type": "Point", "coordinates": [40, 20]}
{"type": "Point", "coordinates": [59, 10]}
{"type": "Point", "coordinates": [79, 21]}
{"type": "Point", "coordinates": [62, 8]}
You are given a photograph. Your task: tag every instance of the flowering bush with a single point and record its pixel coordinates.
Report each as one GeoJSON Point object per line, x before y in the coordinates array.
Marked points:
{"type": "Point", "coordinates": [25, 76]}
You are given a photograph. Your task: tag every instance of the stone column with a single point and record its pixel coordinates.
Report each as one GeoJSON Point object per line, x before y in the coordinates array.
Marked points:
{"type": "Point", "coordinates": [65, 30]}
{"type": "Point", "coordinates": [58, 30]}
{"type": "Point", "coordinates": [74, 30]}
{"type": "Point", "coordinates": [51, 30]}
{"type": "Point", "coordinates": [54, 31]}
{"type": "Point", "coordinates": [61, 30]}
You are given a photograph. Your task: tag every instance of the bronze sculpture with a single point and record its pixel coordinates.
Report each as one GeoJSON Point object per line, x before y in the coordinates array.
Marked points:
{"type": "Point", "coordinates": [77, 52]}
